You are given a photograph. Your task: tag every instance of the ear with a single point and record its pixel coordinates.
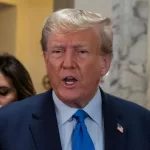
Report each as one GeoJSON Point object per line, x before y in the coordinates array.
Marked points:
{"type": "Point", "coordinates": [105, 64]}
{"type": "Point", "coordinates": [45, 55]}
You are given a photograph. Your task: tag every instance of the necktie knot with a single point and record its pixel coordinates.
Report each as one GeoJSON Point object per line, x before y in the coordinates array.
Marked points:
{"type": "Point", "coordinates": [80, 115]}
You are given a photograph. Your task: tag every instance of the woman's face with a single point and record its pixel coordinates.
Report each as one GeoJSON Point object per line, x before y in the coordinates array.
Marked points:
{"type": "Point", "coordinates": [8, 93]}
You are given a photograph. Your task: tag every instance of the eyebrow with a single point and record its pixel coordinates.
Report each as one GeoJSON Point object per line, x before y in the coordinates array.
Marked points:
{"type": "Point", "coordinates": [4, 87]}
{"type": "Point", "coordinates": [74, 45]}
{"type": "Point", "coordinates": [79, 46]}
{"type": "Point", "coordinates": [57, 46]}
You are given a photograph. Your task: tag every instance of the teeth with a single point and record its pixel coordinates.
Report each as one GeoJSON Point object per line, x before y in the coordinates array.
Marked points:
{"type": "Point", "coordinates": [69, 82]}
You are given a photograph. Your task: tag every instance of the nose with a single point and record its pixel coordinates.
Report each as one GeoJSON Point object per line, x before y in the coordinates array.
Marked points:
{"type": "Point", "coordinates": [69, 60]}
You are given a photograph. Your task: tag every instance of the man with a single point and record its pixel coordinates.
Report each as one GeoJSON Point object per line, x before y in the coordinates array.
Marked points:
{"type": "Point", "coordinates": [76, 114]}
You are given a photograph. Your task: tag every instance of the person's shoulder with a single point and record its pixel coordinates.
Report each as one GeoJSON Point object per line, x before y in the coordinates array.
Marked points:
{"type": "Point", "coordinates": [128, 107]}
{"type": "Point", "coordinates": [126, 104]}
{"type": "Point", "coordinates": [22, 107]}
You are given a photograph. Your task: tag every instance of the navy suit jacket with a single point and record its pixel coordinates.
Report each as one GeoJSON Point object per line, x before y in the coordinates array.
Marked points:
{"type": "Point", "coordinates": [31, 124]}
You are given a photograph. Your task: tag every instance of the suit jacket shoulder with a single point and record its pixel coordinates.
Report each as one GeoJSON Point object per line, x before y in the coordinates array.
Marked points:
{"type": "Point", "coordinates": [128, 108]}
{"type": "Point", "coordinates": [126, 124]}
{"type": "Point", "coordinates": [19, 108]}
{"type": "Point", "coordinates": [30, 124]}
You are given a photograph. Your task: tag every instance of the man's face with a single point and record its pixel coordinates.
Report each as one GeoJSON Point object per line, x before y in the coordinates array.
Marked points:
{"type": "Point", "coordinates": [74, 65]}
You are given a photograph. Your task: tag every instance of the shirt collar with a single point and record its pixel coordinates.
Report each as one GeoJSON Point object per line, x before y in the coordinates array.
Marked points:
{"type": "Point", "coordinates": [94, 108]}
{"type": "Point", "coordinates": [64, 113]}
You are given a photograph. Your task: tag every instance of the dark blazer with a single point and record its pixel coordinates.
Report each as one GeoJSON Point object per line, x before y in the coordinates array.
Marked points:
{"type": "Point", "coordinates": [31, 124]}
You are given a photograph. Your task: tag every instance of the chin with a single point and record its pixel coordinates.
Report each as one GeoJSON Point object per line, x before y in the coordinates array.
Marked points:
{"type": "Point", "coordinates": [68, 96]}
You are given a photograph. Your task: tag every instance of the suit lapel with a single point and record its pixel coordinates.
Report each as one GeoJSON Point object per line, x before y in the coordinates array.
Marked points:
{"type": "Point", "coordinates": [114, 127]}
{"type": "Point", "coordinates": [44, 128]}
{"type": "Point", "coordinates": [43, 125]}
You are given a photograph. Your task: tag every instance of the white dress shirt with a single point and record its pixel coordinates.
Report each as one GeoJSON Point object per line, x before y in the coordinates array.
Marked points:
{"type": "Point", "coordinates": [94, 124]}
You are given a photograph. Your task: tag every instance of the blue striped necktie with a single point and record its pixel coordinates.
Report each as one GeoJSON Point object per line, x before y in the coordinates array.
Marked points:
{"type": "Point", "coordinates": [81, 139]}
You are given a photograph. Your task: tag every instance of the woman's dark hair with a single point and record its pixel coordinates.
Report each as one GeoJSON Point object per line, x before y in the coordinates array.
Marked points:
{"type": "Point", "coordinates": [17, 73]}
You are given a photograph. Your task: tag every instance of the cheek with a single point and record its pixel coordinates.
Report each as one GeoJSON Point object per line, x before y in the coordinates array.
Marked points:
{"type": "Point", "coordinates": [53, 70]}
{"type": "Point", "coordinates": [13, 96]}
{"type": "Point", "coordinates": [4, 100]}
{"type": "Point", "coordinates": [52, 66]}
{"type": "Point", "coordinates": [92, 68]}
{"type": "Point", "coordinates": [91, 72]}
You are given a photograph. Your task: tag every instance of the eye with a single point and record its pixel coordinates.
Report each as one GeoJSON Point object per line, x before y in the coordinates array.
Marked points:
{"type": "Point", "coordinates": [4, 91]}
{"type": "Point", "coordinates": [83, 51]}
{"type": "Point", "coordinates": [56, 53]}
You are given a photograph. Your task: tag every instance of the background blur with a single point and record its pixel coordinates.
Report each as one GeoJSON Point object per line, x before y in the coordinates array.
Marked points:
{"type": "Point", "coordinates": [129, 77]}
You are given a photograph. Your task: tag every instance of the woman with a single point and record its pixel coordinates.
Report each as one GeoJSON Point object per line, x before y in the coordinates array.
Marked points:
{"type": "Point", "coordinates": [15, 81]}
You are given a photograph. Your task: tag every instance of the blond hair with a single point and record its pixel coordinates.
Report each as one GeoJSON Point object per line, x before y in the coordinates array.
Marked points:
{"type": "Point", "coordinates": [73, 20]}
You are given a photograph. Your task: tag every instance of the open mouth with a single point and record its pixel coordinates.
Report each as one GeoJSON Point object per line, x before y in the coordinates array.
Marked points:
{"type": "Point", "coordinates": [69, 80]}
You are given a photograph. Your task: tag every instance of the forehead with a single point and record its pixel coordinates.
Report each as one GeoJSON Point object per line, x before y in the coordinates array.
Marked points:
{"type": "Point", "coordinates": [4, 81]}
{"type": "Point", "coordinates": [81, 38]}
